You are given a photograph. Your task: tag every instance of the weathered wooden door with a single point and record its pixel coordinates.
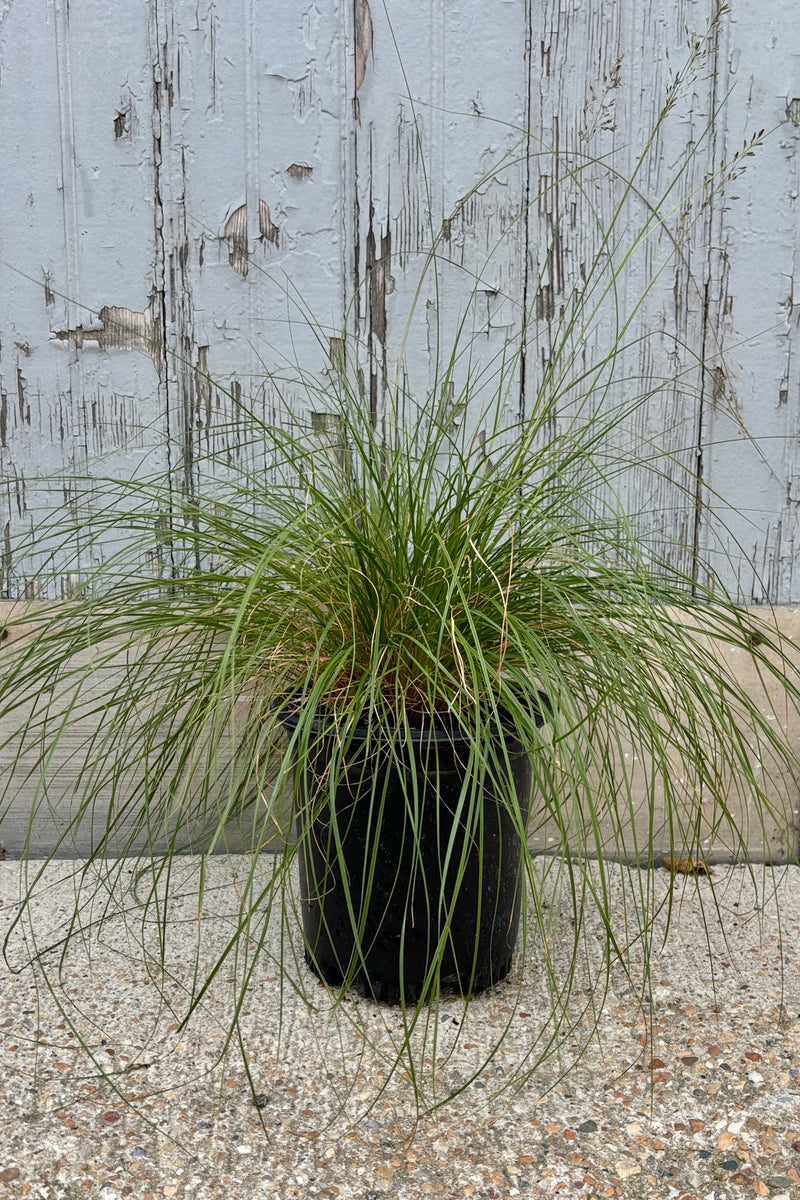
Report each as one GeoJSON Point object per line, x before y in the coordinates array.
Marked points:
{"type": "Point", "coordinates": [183, 178]}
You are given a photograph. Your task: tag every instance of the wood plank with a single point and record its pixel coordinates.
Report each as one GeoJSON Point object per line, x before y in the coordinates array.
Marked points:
{"type": "Point", "coordinates": [441, 111]}
{"type": "Point", "coordinates": [80, 383]}
{"type": "Point", "coordinates": [607, 160]}
{"type": "Point", "coordinates": [36, 805]}
{"type": "Point", "coordinates": [751, 412]}
{"type": "Point", "coordinates": [251, 102]}
{"type": "Point", "coordinates": [63, 786]}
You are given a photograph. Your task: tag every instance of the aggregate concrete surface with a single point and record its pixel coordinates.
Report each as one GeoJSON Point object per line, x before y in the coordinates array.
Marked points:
{"type": "Point", "coordinates": [689, 1089]}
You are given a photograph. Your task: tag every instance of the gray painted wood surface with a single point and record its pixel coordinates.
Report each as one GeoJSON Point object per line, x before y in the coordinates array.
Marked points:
{"type": "Point", "coordinates": [175, 173]}
{"type": "Point", "coordinates": [178, 174]}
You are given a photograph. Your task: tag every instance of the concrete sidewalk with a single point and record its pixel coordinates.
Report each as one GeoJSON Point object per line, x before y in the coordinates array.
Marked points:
{"type": "Point", "coordinates": [710, 1107]}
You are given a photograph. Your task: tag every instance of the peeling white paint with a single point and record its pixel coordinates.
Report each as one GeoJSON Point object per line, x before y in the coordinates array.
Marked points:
{"type": "Point", "coordinates": [198, 156]}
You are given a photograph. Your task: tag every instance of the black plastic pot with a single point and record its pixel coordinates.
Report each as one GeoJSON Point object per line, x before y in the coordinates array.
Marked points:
{"type": "Point", "coordinates": [389, 853]}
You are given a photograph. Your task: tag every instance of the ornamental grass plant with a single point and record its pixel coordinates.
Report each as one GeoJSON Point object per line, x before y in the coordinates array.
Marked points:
{"type": "Point", "coordinates": [444, 563]}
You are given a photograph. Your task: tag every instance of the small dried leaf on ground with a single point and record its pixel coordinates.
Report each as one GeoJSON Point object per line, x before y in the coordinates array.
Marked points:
{"type": "Point", "coordinates": [687, 866]}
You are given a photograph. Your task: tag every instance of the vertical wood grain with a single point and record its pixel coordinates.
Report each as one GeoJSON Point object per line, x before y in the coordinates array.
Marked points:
{"type": "Point", "coordinates": [600, 79]}
{"type": "Point", "coordinates": [254, 214]}
{"type": "Point", "coordinates": [751, 431]}
{"type": "Point", "coordinates": [441, 108]}
{"type": "Point", "coordinates": [79, 371]}
{"type": "Point", "coordinates": [180, 182]}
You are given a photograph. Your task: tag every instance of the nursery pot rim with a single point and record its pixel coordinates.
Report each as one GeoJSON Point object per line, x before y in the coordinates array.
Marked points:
{"type": "Point", "coordinates": [442, 728]}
